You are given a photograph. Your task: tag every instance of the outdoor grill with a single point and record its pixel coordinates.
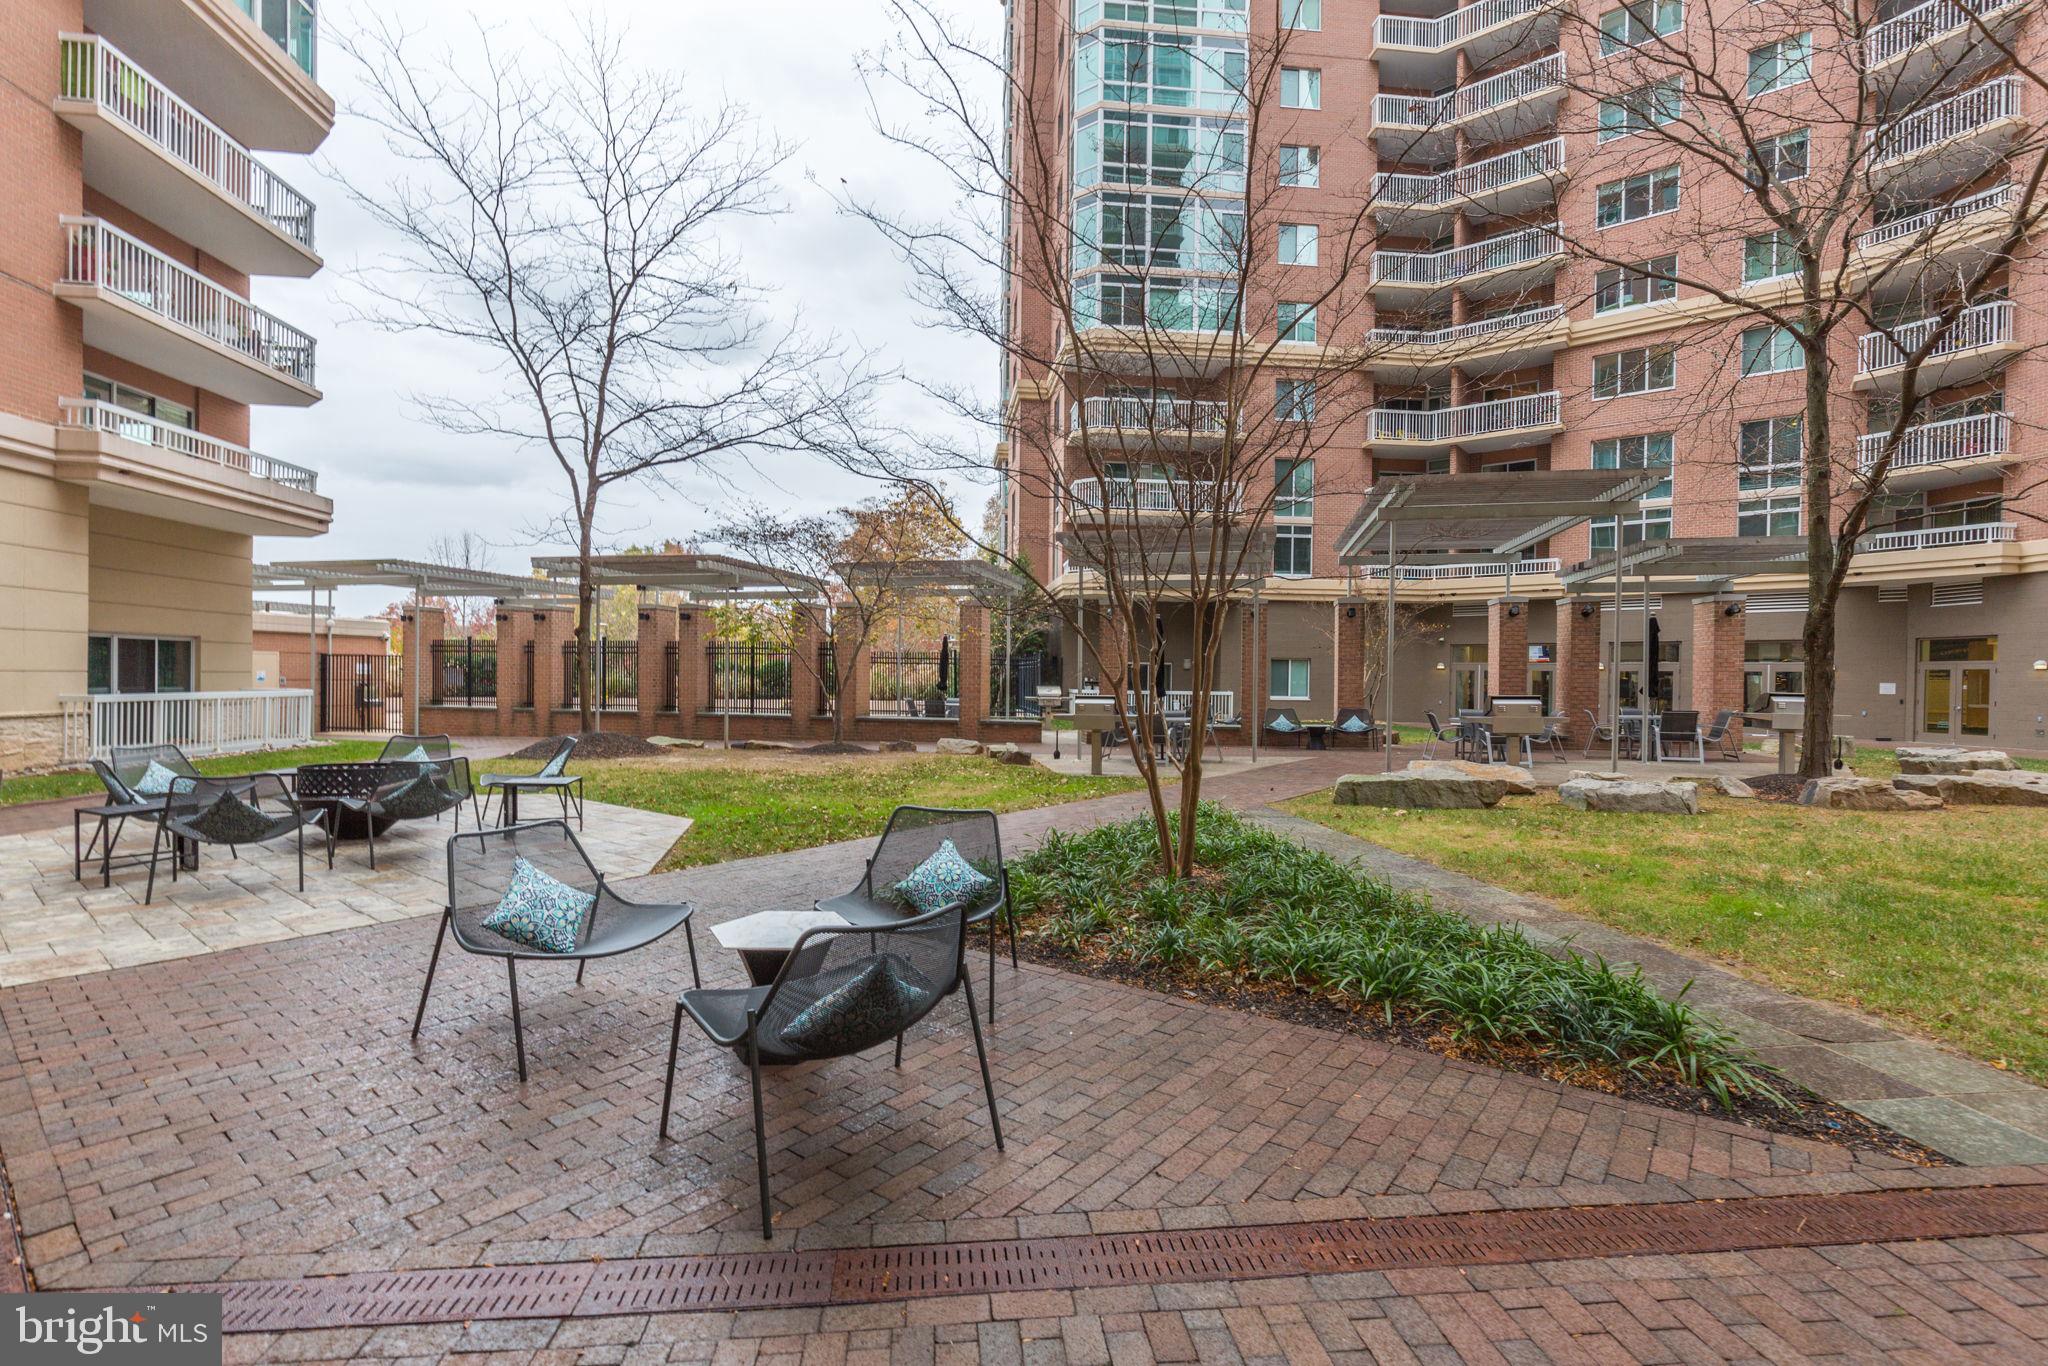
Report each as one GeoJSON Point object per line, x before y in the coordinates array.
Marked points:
{"type": "Point", "coordinates": [1787, 717]}
{"type": "Point", "coordinates": [1518, 716]}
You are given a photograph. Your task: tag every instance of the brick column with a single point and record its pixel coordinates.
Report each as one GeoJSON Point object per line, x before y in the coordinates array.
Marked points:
{"type": "Point", "coordinates": [1719, 633]}
{"type": "Point", "coordinates": [515, 629]}
{"type": "Point", "coordinates": [1577, 680]}
{"type": "Point", "coordinates": [806, 694]}
{"type": "Point", "coordinates": [1107, 648]}
{"type": "Point", "coordinates": [973, 665]}
{"type": "Point", "coordinates": [657, 633]}
{"type": "Point", "coordinates": [1507, 645]}
{"type": "Point", "coordinates": [693, 669]}
{"type": "Point", "coordinates": [552, 629]}
{"type": "Point", "coordinates": [422, 627]}
{"type": "Point", "coordinates": [1351, 621]}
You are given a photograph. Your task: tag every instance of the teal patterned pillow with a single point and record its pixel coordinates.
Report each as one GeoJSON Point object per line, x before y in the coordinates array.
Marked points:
{"type": "Point", "coordinates": [875, 1000]}
{"type": "Point", "coordinates": [155, 781]}
{"type": "Point", "coordinates": [1283, 724]}
{"type": "Point", "coordinates": [1353, 725]}
{"type": "Point", "coordinates": [419, 755]}
{"type": "Point", "coordinates": [539, 911]}
{"type": "Point", "coordinates": [943, 879]}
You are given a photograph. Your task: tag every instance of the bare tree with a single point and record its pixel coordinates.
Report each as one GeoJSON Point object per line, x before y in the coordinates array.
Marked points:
{"type": "Point", "coordinates": [571, 220]}
{"type": "Point", "coordinates": [1849, 199]}
{"type": "Point", "coordinates": [464, 550]}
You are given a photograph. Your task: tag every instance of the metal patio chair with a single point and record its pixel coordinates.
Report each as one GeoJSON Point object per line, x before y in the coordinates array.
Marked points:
{"type": "Point", "coordinates": [481, 864]}
{"type": "Point", "coordinates": [449, 784]}
{"type": "Point", "coordinates": [553, 776]}
{"type": "Point", "coordinates": [1596, 733]}
{"type": "Point", "coordinates": [1680, 730]}
{"type": "Point", "coordinates": [1293, 728]}
{"type": "Point", "coordinates": [233, 812]}
{"type": "Point", "coordinates": [1371, 733]}
{"type": "Point", "coordinates": [1438, 733]}
{"type": "Point", "coordinates": [1720, 735]}
{"type": "Point", "coordinates": [840, 992]}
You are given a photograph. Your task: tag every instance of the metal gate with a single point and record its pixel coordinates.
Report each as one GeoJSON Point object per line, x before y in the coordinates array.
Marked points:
{"type": "Point", "coordinates": [364, 693]}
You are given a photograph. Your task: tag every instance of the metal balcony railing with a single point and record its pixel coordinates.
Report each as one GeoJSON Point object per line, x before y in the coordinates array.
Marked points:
{"type": "Point", "coordinates": [1465, 333]}
{"type": "Point", "coordinates": [1422, 573]}
{"type": "Point", "coordinates": [1429, 269]}
{"type": "Point", "coordinates": [1395, 30]}
{"type": "Point", "coordinates": [91, 68]}
{"type": "Point", "coordinates": [1976, 533]}
{"type": "Point", "coordinates": [1954, 117]}
{"type": "Point", "coordinates": [1175, 416]}
{"type": "Point", "coordinates": [1155, 495]}
{"type": "Point", "coordinates": [1906, 229]}
{"type": "Point", "coordinates": [1896, 37]}
{"type": "Point", "coordinates": [1983, 325]}
{"type": "Point", "coordinates": [93, 415]}
{"type": "Point", "coordinates": [1937, 443]}
{"type": "Point", "coordinates": [1181, 702]}
{"type": "Point", "coordinates": [1468, 422]}
{"type": "Point", "coordinates": [98, 253]}
{"type": "Point", "coordinates": [1481, 177]}
{"type": "Point", "coordinates": [199, 723]}
{"type": "Point", "coordinates": [1468, 101]}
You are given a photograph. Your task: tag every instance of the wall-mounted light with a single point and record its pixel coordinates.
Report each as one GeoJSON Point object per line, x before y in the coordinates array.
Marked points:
{"type": "Point", "coordinates": [1351, 614]}
{"type": "Point", "coordinates": [1587, 609]}
{"type": "Point", "coordinates": [1439, 666]}
{"type": "Point", "coordinates": [1514, 609]}
{"type": "Point", "coordinates": [1733, 609]}
{"type": "Point", "coordinates": [2041, 666]}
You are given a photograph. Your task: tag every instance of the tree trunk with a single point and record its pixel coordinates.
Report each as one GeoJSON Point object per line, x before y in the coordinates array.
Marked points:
{"type": "Point", "coordinates": [586, 612]}
{"type": "Point", "coordinates": [1823, 585]}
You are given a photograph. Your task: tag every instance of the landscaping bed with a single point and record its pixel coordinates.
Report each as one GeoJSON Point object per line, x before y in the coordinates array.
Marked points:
{"type": "Point", "coordinates": [1269, 925]}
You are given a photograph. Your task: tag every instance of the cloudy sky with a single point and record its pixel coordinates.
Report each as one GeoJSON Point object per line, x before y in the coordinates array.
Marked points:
{"type": "Point", "coordinates": [397, 482]}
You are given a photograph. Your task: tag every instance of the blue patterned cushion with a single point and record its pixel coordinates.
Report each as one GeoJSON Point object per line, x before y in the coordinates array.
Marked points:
{"type": "Point", "coordinates": [943, 879]}
{"type": "Point", "coordinates": [539, 911]}
{"type": "Point", "coordinates": [155, 781]}
{"type": "Point", "coordinates": [1353, 725]}
{"type": "Point", "coordinates": [419, 755]}
{"type": "Point", "coordinates": [876, 1000]}
{"type": "Point", "coordinates": [1283, 724]}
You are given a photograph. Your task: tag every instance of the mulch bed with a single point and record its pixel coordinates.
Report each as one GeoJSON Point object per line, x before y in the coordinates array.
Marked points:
{"type": "Point", "coordinates": [836, 747]}
{"type": "Point", "coordinates": [1808, 1116]}
{"type": "Point", "coordinates": [604, 744]}
{"type": "Point", "coordinates": [1777, 787]}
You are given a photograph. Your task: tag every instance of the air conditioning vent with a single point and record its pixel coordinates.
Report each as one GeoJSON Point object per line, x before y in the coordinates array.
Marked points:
{"type": "Point", "coordinates": [1969, 594]}
{"type": "Point", "coordinates": [1776, 602]}
{"type": "Point", "coordinates": [1892, 592]}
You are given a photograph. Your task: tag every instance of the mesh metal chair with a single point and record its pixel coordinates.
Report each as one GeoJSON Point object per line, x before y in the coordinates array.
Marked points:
{"type": "Point", "coordinates": [1372, 734]}
{"type": "Point", "coordinates": [553, 776]}
{"type": "Point", "coordinates": [448, 785]}
{"type": "Point", "coordinates": [914, 834]}
{"type": "Point", "coordinates": [1438, 733]}
{"type": "Point", "coordinates": [840, 992]}
{"type": "Point", "coordinates": [1292, 728]}
{"type": "Point", "coordinates": [125, 766]}
{"type": "Point", "coordinates": [1596, 733]}
{"type": "Point", "coordinates": [1720, 735]}
{"type": "Point", "coordinates": [234, 812]}
{"type": "Point", "coordinates": [481, 865]}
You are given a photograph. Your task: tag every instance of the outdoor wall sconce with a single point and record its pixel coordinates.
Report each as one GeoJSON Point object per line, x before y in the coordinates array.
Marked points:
{"type": "Point", "coordinates": [1439, 666]}
{"type": "Point", "coordinates": [1514, 609]}
{"type": "Point", "coordinates": [1351, 614]}
{"type": "Point", "coordinates": [2041, 666]}
{"type": "Point", "coordinates": [1587, 609]}
{"type": "Point", "coordinates": [1733, 609]}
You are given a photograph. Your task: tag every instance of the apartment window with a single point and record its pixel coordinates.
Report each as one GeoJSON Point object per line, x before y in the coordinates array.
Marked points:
{"type": "Point", "coordinates": [1641, 109]}
{"type": "Point", "coordinates": [1638, 370]}
{"type": "Point", "coordinates": [1301, 87]}
{"type": "Point", "coordinates": [1651, 524]}
{"type": "Point", "coordinates": [290, 24]}
{"type": "Point", "coordinates": [1768, 479]}
{"type": "Point", "coordinates": [1780, 159]}
{"type": "Point", "coordinates": [1297, 322]}
{"type": "Point", "coordinates": [1639, 196]}
{"type": "Point", "coordinates": [138, 664]}
{"type": "Point", "coordinates": [1295, 485]}
{"type": "Point", "coordinates": [1298, 244]}
{"type": "Point", "coordinates": [1301, 167]}
{"type": "Point", "coordinates": [1175, 70]}
{"type": "Point", "coordinates": [1768, 256]}
{"type": "Point", "coordinates": [136, 401]}
{"type": "Point", "coordinates": [1777, 65]}
{"type": "Point", "coordinates": [1645, 282]}
{"type": "Point", "coordinates": [1770, 351]}
{"type": "Point", "coordinates": [1651, 451]}
{"type": "Point", "coordinates": [1136, 147]}
{"type": "Point", "coordinates": [1172, 305]}
{"type": "Point", "coordinates": [1228, 15]}
{"type": "Point", "coordinates": [1294, 400]}
{"type": "Point", "coordinates": [1287, 680]}
{"type": "Point", "coordinates": [1304, 15]}
{"type": "Point", "coordinates": [1164, 232]}
{"type": "Point", "coordinates": [1636, 23]}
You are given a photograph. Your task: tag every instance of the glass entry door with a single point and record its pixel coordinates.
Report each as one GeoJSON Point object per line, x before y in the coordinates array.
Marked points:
{"type": "Point", "coordinates": [1955, 686]}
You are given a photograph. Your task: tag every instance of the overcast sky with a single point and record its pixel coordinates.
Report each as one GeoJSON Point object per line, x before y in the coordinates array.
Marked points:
{"type": "Point", "coordinates": [397, 482]}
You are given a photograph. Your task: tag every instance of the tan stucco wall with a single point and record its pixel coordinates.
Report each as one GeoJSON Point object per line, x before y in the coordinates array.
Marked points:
{"type": "Point", "coordinates": [43, 604]}
{"type": "Point", "coordinates": [164, 578]}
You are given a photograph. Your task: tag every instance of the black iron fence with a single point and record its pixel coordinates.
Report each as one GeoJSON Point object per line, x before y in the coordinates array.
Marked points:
{"type": "Point", "coordinates": [362, 693]}
{"type": "Point", "coordinates": [615, 666]}
{"type": "Point", "coordinates": [526, 675]}
{"type": "Point", "coordinates": [907, 683]}
{"type": "Point", "coordinates": [671, 674]}
{"type": "Point", "coordinates": [464, 671]}
{"type": "Point", "coordinates": [750, 678]}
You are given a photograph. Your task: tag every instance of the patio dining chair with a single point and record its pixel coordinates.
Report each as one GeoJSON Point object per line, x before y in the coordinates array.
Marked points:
{"type": "Point", "coordinates": [482, 866]}
{"type": "Point", "coordinates": [553, 776]}
{"type": "Point", "coordinates": [1680, 730]}
{"type": "Point", "coordinates": [841, 991]}
{"type": "Point", "coordinates": [1721, 736]}
{"type": "Point", "coordinates": [233, 812]}
{"type": "Point", "coordinates": [1438, 733]}
{"type": "Point", "coordinates": [1356, 723]}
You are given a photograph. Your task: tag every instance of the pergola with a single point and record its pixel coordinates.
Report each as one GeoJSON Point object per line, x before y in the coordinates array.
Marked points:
{"type": "Point", "coordinates": [959, 578]}
{"type": "Point", "coordinates": [699, 575]}
{"type": "Point", "coordinates": [1479, 519]}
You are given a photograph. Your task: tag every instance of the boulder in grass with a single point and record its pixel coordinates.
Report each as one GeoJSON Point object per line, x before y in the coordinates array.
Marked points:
{"type": "Point", "coordinates": [1985, 787]}
{"type": "Point", "coordinates": [954, 744]}
{"type": "Point", "coordinates": [1730, 786]}
{"type": "Point", "coordinates": [1587, 775]}
{"type": "Point", "coordinates": [1631, 796]}
{"type": "Point", "coordinates": [674, 742]}
{"type": "Point", "coordinates": [1865, 794]}
{"type": "Point", "coordinates": [1927, 759]}
{"type": "Point", "coordinates": [1010, 754]}
{"type": "Point", "coordinates": [1521, 782]}
{"type": "Point", "coordinates": [898, 747]}
{"type": "Point", "coordinates": [1443, 789]}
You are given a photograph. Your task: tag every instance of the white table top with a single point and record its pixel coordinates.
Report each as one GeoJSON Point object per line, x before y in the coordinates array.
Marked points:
{"type": "Point", "coordinates": [772, 929]}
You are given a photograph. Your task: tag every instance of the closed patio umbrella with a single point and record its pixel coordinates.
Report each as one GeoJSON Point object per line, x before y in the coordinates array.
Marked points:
{"type": "Point", "coordinates": [945, 658]}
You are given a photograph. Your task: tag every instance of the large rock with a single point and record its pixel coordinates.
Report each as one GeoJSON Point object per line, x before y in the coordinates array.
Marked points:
{"type": "Point", "coordinates": [1985, 787]}
{"type": "Point", "coordinates": [1521, 782]}
{"type": "Point", "coordinates": [898, 747]}
{"type": "Point", "coordinates": [1730, 786]}
{"type": "Point", "coordinates": [1593, 776]}
{"type": "Point", "coordinates": [1924, 759]}
{"type": "Point", "coordinates": [1865, 794]}
{"type": "Point", "coordinates": [1010, 754]}
{"type": "Point", "coordinates": [1631, 795]}
{"type": "Point", "coordinates": [673, 742]}
{"type": "Point", "coordinates": [1443, 789]}
{"type": "Point", "coordinates": [954, 744]}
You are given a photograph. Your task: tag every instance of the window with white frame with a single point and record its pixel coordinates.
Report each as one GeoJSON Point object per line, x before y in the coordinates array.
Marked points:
{"type": "Point", "coordinates": [1769, 351]}
{"type": "Point", "coordinates": [1650, 451]}
{"type": "Point", "coordinates": [1297, 322]}
{"type": "Point", "coordinates": [1636, 23]}
{"type": "Point", "coordinates": [1774, 66]}
{"type": "Point", "coordinates": [1780, 159]}
{"type": "Point", "coordinates": [1301, 87]}
{"type": "Point", "coordinates": [1768, 256]}
{"type": "Point", "coordinates": [1294, 495]}
{"type": "Point", "coordinates": [1638, 196]}
{"type": "Point", "coordinates": [1768, 480]}
{"type": "Point", "coordinates": [1641, 109]}
{"type": "Point", "coordinates": [1294, 400]}
{"type": "Point", "coordinates": [127, 665]}
{"type": "Point", "coordinates": [139, 402]}
{"type": "Point", "coordinates": [1228, 15]}
{"type": "Point", "coordinates": [1298, 243]}
{"type": "Point", "coordinates": [1645, 282]}
{"type": "Point", "coordinates": [1651, 524]}
{"type": "Point", "coordinates": [1304, 15]}
{"type": "Point", "coordinates": [1139, 147]}
{"type": "Point", "coordinates": [1638, 370]}
{"type": "Point", "coordinates": [1287, 680]}
{"type": "Point", "coordinates": [1174, 70]}
{"type": "Point", "coordinates": [1301, 167]}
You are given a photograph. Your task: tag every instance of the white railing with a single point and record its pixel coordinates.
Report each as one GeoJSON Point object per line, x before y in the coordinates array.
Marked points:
{"type": "Point", "coordinates": [1395, 30]}
{"type": "Point", "coordinates": [1481, 177]}
{"type": "Point", "coordinates": [1435, 268]}
{"type": "Point", "coordinates": [1907, 228]}
{"type": "Point", "coordinates": [1943, 120]}
{"type": "Point", "coordinates": [1983, 325]}
{"type": "Point", "coordinates": [1181, 702]}
{"type": "Point", "coordinates": [1936, 443]}
{"type": "Point", "coordinates": [98, 253]}
{"type": "Point", "coordinates": [91, 68]}
{"type": "Point", "coordinates": [1464, 333]}
{"type": "Point", "coordinates": [94, 415]}
{"type": "Point", "coordinates": [1155, 495]}
{"type": "Point", "coordinates": [1467, 101]}
{"type": "Point", "coordinates": [1192, 416]}
{"type": "Point", "coordinates": [1896, 37]}
{"type": "Point", "coordinates": [1468, 422]}
{"type": "Point", "coordinates": [1978, 533]}
{"type": "Point", "coordinates": [1421, 573]}
{"type": "Point", "coordinates": [197, 722]}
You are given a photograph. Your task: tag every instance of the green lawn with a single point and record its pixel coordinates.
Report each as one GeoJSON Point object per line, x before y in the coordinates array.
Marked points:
{"type": "Point", "coordinates": [45, 786]}
{"type": "Point", "coordinates": [1936, 920]}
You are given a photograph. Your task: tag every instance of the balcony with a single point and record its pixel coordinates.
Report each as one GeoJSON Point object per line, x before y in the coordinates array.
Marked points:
{"type": "Point", "coordinates": [1499, 108]}
{"type": "Point", "coordinates": [1939, 453]}
{"type": "Point", "coordinates": [1936, 41]}
{"type": "Point", "coordinates": [1935, 538]}
{"type": "Point", "coordinates": [1176, 326]}
{"type": "Point", "coordinates": [1942, 242]}
{"type": "Point", "coordinates": [1949, 143]}
{"type": "Point", "coordinates": [246, 64]}
{"type": "Point", "coordinates": [1497, 425]}
{"type": "Point", "coordinates": [1511, 183]}
{"type": "Point", "coordinates": [1418, 51]}
{"type": "Point", "coordinates": [1156, 421]}
{"type": "Point", "coordinates": [140, 464]}
{"type": "Point", "coordinates": [158, 155]}
{"type": "Point", "coordinates": [1492, 574]}
{"type": "Point", "coordinates": [1511, 262]}
{"type": "Point", "coordinates": [1979, 340]}
{"type": "Point", "coordinates": [1508, 342]}
{"type": "Point", "coordinates": [142, 306]}
{"type": "Point", "coordinates": [1155, 497]}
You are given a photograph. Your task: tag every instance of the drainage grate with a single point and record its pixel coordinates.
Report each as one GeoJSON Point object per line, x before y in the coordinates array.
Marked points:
{"type": "Point", "coordinates": [779, 1280]}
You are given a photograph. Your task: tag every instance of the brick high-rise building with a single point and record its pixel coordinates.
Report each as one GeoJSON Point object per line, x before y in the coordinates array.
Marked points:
{"type": "Point", "coordinates": [135, 218]}
{"type": "Point", "coordinates": [1495, 344]}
